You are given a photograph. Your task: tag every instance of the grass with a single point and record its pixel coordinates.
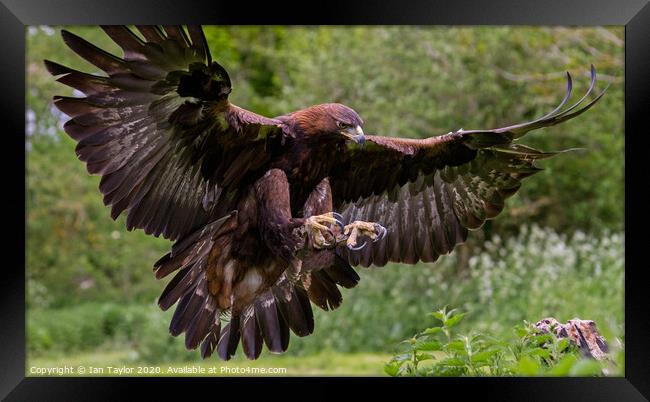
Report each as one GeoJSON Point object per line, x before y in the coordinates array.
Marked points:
{"type": "Point", "coordinates": [326, 363]}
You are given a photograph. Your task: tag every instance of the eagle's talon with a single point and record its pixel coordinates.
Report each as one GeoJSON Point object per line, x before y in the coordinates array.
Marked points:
{"type": "Point", "coordinates": [381, 232]}
{"type": "Point", "coordinates": [320, 235]}
{"type": "Point", "coordinates": [354, 230]}
{"type": "Point", "coordinates": [339, 220]}
{"type": "Point", "coordinates": [329, 244]}
{"type": "Point", "coordinates": [340, 224]}
{"type": "Point", "coordinates": [353, 248]}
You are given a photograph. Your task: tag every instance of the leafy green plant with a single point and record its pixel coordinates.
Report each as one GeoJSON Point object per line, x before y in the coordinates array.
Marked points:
{"type": "Point", "coordinates": [438, 351]}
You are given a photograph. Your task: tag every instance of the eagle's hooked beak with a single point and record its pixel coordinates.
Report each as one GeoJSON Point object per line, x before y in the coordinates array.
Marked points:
{"type": "Point", "coordinates": [355, 134]}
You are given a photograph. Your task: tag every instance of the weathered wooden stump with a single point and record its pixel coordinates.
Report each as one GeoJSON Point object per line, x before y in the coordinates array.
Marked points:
{"type": "Point", "coordinates": [582, 333]}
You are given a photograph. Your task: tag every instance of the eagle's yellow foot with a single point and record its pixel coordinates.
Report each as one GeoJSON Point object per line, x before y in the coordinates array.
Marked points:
{"type": "Point", "coordinates": [319, 233]}
{"type": "Point", "coordinates": [355, 229]}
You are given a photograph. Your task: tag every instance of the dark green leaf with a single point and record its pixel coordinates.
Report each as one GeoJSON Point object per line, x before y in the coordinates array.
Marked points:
{"type": "Point", "coordinates": [392, 369]}
{"type": "Point", "coordinates": [432, 331]}
{"type": "Point", "coordinates": [483, 356]}
{"type": "Point", "coordinates": [563, 367]}
{"type": "Point", "coordinates": [458, 346]}
{"type": "Point", "coordinates": [527, 366]}
{"type": "Point", "coordinates": [586, 368]}
{"type": "Point", "coordinates": [452, 361]}
{"type": "Point", "coordinates": [428, 345]}
{"type": "Point", "coordinates": [454, 320]}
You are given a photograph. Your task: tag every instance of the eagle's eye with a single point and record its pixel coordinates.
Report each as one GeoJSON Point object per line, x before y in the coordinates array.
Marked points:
{"type": "Point", "coordinates": [340, 124]}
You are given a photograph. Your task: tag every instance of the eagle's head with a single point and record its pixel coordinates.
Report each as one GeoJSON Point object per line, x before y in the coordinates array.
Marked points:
{"type": "Point", "coordinates": [333, 120]}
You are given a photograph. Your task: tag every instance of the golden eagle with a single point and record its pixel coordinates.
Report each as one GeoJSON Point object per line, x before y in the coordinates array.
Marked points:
{"type": "Point", "coordinates": [258, 206]}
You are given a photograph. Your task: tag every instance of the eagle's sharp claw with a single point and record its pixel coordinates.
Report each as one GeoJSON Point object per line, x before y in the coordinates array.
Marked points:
{"type": "Point", "coordinates": [340, 224]}
{"type": "Point", "coordinates": [339, 220]}
{"type": "Point", "coordinates": [322, 236]}
{"type": "Point", "coordinates": [353, 248]}
{"type": "Point", "coordinates": [371, 230]}
{"type": "Point", "coordinates": [381, 232]}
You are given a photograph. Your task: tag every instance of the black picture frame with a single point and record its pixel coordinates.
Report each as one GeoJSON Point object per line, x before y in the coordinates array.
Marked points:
{"type": "Point", "coordinates": [15, 15]}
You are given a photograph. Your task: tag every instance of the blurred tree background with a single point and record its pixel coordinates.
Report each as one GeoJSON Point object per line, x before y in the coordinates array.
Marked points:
{"type": "Point", "coordinates": [556, 250]}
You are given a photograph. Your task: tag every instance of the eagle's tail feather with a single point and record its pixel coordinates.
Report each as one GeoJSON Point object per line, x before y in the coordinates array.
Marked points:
{"type": "Point", "coordinates": [265, 321]}
{"type": "Point", "coordinates": [321, 284]}
{"type": "Point", "coordinates": [229, 338]}
{"type": "Point", "coordinates": [242, 326]}
{"type": "Point", "coordinates": [294, 306]}
{"type": "Point", "coordinates": [211, 340]}
{"type": "Point", "coordinates": [274, 328]}
{"type": "Point", "coordinates": [342, 273]}
{"type": "Point", "coordinates": [251, 334]}
{"type": "Point", "coordinates": [322, 290]}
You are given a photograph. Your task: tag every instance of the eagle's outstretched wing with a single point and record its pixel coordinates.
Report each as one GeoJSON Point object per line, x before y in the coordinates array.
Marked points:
{"type": "Point", "coordinates": [159, 129]}
{"type": "Point", "coordinates": [429, 192]}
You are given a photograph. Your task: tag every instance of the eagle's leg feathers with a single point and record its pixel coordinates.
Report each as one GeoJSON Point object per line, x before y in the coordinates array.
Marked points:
{"type": "Point", "coordinates": [354, 230]}
{"type": "Point", "coordinates": [319, 229]}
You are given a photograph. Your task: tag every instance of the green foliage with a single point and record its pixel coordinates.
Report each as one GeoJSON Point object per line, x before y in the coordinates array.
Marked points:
{"type": "Point", "coordinates": [438, 351]}
{"type": "Point", "coordinates": [83, 327]}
